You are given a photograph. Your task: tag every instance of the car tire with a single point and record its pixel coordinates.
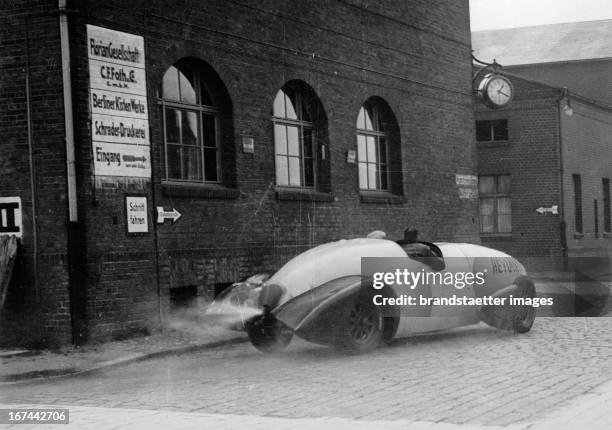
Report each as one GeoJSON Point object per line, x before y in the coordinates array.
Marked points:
{"type": "Point", "coordinates": [363, 327]}
{"type": "Point", "coordinates": [525, 317]}
{"type": "Point", "coordinates": [268, 335]}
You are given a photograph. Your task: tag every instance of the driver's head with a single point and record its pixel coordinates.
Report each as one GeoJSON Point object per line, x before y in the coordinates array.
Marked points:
{"type": "Point", "coordinates": [411, 235]}
{"type": "Point", "coordinates": [377, 234]}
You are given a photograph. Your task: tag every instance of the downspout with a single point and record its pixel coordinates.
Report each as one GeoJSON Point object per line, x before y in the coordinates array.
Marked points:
{"type": "Point", "coordinates": [75, 246]}
{"type": "Point", "coordinates": [563, 222]}
{"type": "Point", "coordinates": [68, 115]}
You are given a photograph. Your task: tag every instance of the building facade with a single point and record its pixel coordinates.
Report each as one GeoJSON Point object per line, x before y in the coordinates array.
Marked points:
{"type": "Point", "coordinates": [544, 170]}
{"type": "Point", "coordinates": [161, 150]}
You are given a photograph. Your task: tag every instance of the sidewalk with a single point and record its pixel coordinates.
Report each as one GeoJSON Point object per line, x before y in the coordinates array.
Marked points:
{"type": "Point", "coordinates": [19, 366]}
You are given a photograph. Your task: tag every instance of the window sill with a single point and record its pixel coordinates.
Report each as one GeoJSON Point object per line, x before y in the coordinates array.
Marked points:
{"type": "Point", "coordinates": [578, 235]}
{"type": "Point", "coordinates": [303, 194]}
{"type": "Point", "coordinates": [209, 191]}
{"type": "Point", "coordinates": [493, 143]}
{"type": "Point", "coordinates": [607, 235]}
{"type": "Point", "coordinates": [381, 197]}
{"type": "Point", "coordinates": [495, 236]}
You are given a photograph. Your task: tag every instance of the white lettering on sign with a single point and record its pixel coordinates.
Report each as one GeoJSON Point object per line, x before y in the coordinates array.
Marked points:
{"type": "Point", "coordinates": [10, 216]}
{"type": "Point", "coordinates": [137, 215]}
{"type": "Point", "coordinates": [118, 103]}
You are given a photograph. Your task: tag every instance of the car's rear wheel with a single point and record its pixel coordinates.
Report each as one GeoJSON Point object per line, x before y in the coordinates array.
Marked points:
{"type": "Point", "coordinates": [526, 314]}
{"type": "Point", "coordinates": [363, 328]}
{"type": "Point", "coordinates": [268, 334]}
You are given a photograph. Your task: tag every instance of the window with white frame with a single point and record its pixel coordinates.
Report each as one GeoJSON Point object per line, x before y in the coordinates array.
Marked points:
{"type": "Point", "coordinates": [294, 138]}
{"type": "Point", "coordinates": [191, 125]}
{"type": "Point", "coordinates": [372, 149]}
{"type": "Point", "coordinates": [495, 204]}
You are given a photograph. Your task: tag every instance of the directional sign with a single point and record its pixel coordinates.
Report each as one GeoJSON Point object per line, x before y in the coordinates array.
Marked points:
{"type": "Point", "coordinates": [163, 215]}
{"type": "Point", "coordinates": [118, 103]}
{"type": "Point", "coordinates": [554, 210]}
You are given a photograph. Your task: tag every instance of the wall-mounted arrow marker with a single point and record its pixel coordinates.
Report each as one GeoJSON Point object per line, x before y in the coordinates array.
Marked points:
{"type": "Point", "coordinates": [131, 158]}
{"type": "Point", "coordinates": [552, 210]}
{"type": "Point", "coordinates": [163, 215]}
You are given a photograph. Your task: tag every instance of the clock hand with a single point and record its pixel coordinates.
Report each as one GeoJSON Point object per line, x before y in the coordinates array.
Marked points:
{"type": "Point", "coordinates": [502, 93]}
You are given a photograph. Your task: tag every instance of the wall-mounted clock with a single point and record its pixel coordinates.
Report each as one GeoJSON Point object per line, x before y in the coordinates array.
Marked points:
{"type": "Point", "coordinates": [496, 90]}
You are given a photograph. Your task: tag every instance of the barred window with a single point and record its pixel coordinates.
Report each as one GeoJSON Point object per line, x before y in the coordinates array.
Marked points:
{"type": "Point", "coordinates": [495, 204]}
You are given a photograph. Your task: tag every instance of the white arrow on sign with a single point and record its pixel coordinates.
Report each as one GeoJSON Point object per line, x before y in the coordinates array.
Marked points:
{"type": "Point", "coordinates": [552, 210]}
{"type": "Point", "coordinates": [163, 215]}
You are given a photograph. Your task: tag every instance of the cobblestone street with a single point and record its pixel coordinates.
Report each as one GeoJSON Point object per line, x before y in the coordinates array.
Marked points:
{"type": "Point", "coordinates": [475, 375]}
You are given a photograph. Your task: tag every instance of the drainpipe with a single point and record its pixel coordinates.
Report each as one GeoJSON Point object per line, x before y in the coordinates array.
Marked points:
{"type": "Point", "coordinates": [76, 244]}
{"type": "Point", "coordinates": [561, 103]}
{"type": "Point", "coordinates": [68, 116]}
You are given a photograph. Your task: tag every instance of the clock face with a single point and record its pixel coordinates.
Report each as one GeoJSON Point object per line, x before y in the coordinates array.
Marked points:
{"type": "Point", "coordinates": [498, 91]}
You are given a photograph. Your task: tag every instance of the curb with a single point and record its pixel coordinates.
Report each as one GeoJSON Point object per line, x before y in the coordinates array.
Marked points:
{"type": "Point", "coordinates": [24, 378]}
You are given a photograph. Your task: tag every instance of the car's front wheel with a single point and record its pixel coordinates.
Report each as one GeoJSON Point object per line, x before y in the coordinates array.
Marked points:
{"type": "Point", "coordinates": [363, 329]}
{"type": "Point", "coordinates": [268, 334]}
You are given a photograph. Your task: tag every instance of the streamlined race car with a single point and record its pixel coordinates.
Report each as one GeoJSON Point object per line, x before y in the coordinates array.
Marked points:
{"type": "Point", "coordinates": [351, 293]}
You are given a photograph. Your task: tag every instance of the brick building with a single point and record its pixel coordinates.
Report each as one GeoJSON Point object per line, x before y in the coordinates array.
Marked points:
{"type": "Point", "coordinates": [544, 168]}
{"type": "Point", "coordinates": [270, 127]}
{"type": "Point", "coordinates": [553, 158]}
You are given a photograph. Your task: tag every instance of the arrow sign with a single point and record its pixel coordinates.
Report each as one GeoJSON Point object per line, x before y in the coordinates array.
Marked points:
{"type": "Point", "coordinates": [552, 210]}
{"type": "Point", "coordinates": [163, 215]}
{"type": "Point", "coordinates": [130, 158]}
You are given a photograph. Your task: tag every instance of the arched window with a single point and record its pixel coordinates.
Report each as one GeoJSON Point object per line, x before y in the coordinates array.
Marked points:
{"type": "Point", "coordinates": [299, 132]}
{"type": "Point", "coordinates": [378, 148]}
{"type": "Point", "coordinates": [191, 124]}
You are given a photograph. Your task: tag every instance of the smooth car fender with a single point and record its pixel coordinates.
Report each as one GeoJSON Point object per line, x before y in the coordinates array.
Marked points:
{"type": "Point", "coordinates": [303, 309]}
{"type": "Point", "coordinates": [317, 314]}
